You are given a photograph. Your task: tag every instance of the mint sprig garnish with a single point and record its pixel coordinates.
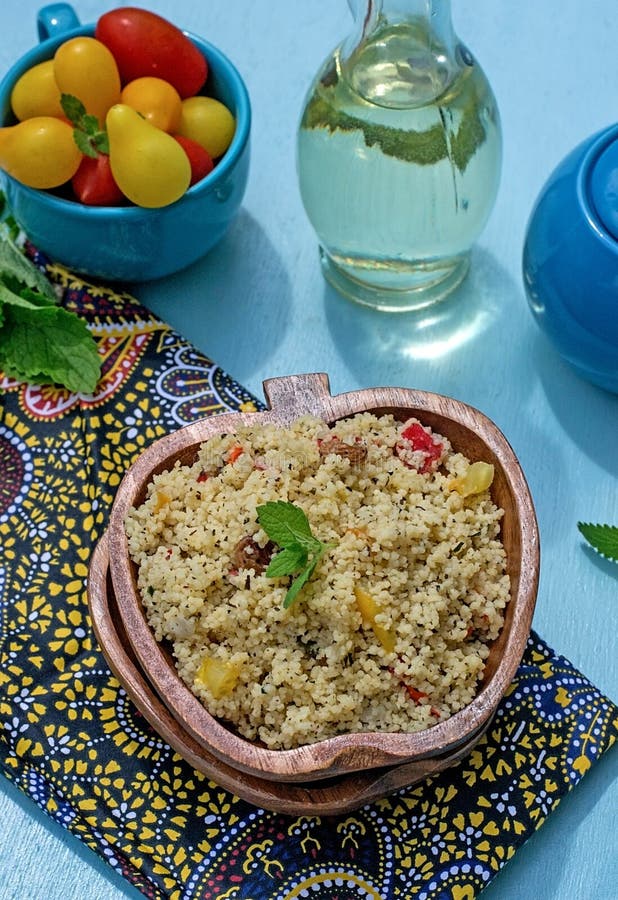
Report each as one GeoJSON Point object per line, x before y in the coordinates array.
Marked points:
{"type": "Point", "coordinates": [288, 526]}
{"type": "Point", "coordinates": [603, 538]}
{"type": "Point", "coordinates": [40, 341]}
{"type": "Point", "coordinates": [90, 138]}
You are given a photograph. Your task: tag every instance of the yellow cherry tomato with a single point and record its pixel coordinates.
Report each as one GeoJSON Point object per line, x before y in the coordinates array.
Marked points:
{"type": "Point", "coordinates": [36, 93]}
{"type": "Point", "coordinates": [148, 165]}
{"type": "Point", "coordinates": [209, 122]}
{"type": "Point", "coordinates": [156, 100]}
{"type": "Point", "coordinates": [40, 152]}
{"type": "Point", "coordinates": [85, 68]}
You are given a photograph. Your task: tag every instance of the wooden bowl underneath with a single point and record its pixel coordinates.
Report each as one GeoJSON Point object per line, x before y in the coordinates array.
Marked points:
{"type": "Point", "coordinates": [471, 433]}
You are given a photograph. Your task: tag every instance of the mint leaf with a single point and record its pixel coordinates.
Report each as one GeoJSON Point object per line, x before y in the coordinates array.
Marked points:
{"type": "Point", "coordinates": [603, 538]}
{"type": "Point", "coordinates": [422, 148]}
{"type": "Point", "coordinates": [287, 525]}
{"type": "Point", "coordinates": [40, 342]}
{"type": "Point", "coordinates": [90, 137]}
{"type": "Point", "coordinates": [50, 342]}
{"type": "Point", "coordinates": [33, 298]}
{"type": "Point", "coordinates": [12, 227]}
{"type": "Point", "coordinates": [13, 264]}
{"type": "Point", "coordinates": [11, 291]}
{"type": "Point", "coordinates": [89, 124]}
{"type": "Point", "coordinates": [73, 109]}
{"type": "Point", "coordinates": [288, 562]}
{"type": "Point", "coordinates": [297, 585]}
{"type": "Point", "coordinates": [284, 523]}
{"type": "Point", "coordinates": [84, 143]}
{"type": "Point", "coordinates": [101, 142]}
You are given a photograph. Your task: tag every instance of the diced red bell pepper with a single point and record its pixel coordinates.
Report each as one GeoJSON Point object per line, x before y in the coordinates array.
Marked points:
{"type": "Point", "coordinates": [234, 453]}
{"type": "Point", "coordinates": [422, 441]}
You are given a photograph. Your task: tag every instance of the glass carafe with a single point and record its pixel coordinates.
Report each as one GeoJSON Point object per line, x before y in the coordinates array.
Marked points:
{"type": "Point", "coordinates": [399, 152]}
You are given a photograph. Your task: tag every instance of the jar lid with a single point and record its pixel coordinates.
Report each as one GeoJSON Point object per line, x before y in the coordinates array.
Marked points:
{"type": "Point", "coordinates": [604, 188]}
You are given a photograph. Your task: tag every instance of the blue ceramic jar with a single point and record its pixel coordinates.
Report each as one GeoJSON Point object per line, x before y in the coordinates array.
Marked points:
{"type": "Point", "coordinates": [570, 259]}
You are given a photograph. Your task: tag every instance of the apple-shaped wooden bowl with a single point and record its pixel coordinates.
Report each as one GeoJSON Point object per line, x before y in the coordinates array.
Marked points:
{"type": "Point", "coordinates": [471, 433]}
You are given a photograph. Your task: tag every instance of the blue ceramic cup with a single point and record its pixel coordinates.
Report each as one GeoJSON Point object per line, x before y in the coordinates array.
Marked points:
{"type": "Point", "coordinates": [570, 259]}
{"type": "Point", "coordinates": [131, 243]}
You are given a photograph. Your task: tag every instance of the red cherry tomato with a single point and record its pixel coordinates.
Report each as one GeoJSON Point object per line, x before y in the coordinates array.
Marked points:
{"type": "Point", "coordinates": [144, 43]}
{"type": "Point", "coordinates": [200, 159]}
{"type": "Point", "coordinates": [94, 185]}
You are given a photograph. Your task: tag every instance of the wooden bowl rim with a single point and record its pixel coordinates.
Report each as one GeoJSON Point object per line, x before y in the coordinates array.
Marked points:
{"type": "Point", "coordinates": [288, 398]}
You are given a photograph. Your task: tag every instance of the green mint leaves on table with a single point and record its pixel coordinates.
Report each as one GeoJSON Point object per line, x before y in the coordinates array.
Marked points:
{"type": "Point", "coordinates": [90, 138]}
{"type": "Point", "coordinates": [603, 538]}
{"type": "Point", "coordinates": [40, 342]}
{"type": "Point", "coordinates": [288, 526]}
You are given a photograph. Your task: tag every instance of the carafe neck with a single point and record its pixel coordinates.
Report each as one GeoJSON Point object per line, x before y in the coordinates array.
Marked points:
{"type": "Point", "coordinates": [402, 52]}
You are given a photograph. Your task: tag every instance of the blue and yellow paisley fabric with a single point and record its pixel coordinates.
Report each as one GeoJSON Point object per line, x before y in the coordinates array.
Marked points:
{"type": "Point", "coordinates": [71, 739]}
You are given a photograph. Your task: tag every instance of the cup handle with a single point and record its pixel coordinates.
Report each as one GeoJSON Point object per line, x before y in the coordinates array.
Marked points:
{"type": "Point", "coordinates": [56, 19]}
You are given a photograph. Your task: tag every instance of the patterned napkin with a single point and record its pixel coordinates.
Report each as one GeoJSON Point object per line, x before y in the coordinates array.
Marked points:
{"type": "Point", "coordinates": [72, 740]}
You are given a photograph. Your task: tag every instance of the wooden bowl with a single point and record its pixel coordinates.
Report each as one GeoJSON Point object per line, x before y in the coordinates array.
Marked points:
{"type": "Point", "coordinates": [471, 433]}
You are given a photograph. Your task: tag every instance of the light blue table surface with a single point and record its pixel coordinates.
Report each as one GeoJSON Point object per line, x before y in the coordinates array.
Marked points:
{"type": "Point", "coordinates": [258, 306]}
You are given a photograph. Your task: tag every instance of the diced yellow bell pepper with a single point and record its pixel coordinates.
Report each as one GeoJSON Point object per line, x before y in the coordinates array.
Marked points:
{"type": "Point", "coordinates": [369, 609]}
{"type": "Point", "coordinates": [162, 500]}
{"type": "Point", "coordinates": [219, 676]}
{"type": "Point", "coordinates": [475, 480]}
